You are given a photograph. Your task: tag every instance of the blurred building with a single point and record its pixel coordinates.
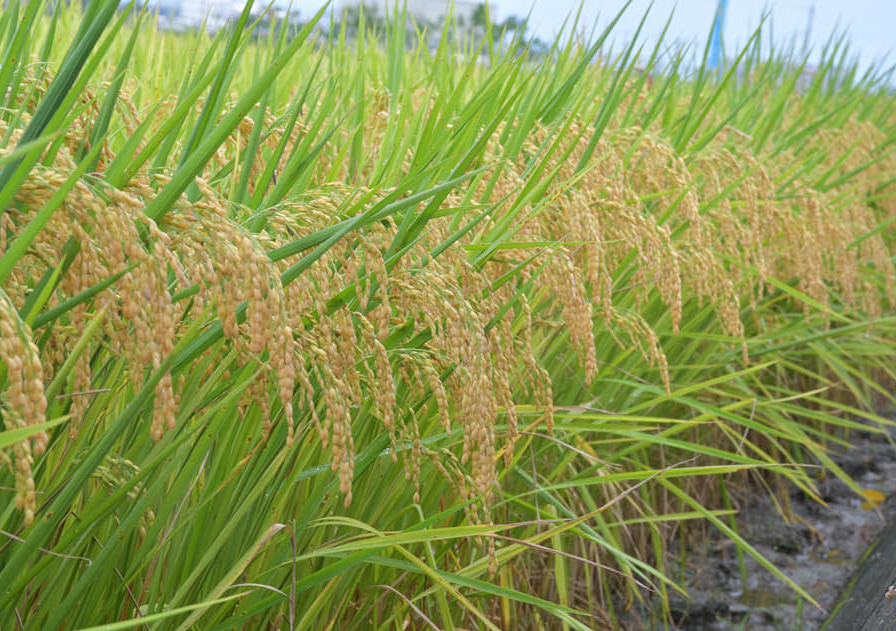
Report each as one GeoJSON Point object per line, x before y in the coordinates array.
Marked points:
{"type": "Point", "coordinates": [433, 11]}
{"type": "Point", "coordinates": [183, 15]}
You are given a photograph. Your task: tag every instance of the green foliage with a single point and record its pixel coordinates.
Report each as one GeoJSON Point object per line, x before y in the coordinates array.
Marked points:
{"type": "Point", "coordinates": [678, 285]}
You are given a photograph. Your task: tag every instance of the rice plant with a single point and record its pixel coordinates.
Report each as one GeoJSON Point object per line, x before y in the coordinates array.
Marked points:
{"type": "Point", "coordinates": [318, 332]}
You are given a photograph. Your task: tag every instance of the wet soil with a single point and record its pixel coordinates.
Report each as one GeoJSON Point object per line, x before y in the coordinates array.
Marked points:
{"type": "Point", "coordinates": [818, 549]}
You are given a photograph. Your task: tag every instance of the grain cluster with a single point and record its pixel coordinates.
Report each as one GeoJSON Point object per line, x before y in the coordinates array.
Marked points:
{"type": "Point", "coordinates": [634, 221]}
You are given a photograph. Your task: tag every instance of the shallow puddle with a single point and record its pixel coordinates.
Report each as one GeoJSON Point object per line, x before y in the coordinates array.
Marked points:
{"type": "Point", "coordinates": [762, 598]}
{"type": "Point", "coordinates": [818, 552]}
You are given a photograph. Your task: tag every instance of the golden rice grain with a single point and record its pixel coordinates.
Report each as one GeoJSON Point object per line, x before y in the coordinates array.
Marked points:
{"type": "Point", "coordinates": [24, 404]}
{"type": "Point", "coordinates": [326, 352]}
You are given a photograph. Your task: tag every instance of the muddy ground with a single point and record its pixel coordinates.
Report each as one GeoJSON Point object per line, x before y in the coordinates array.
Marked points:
{"type": "Point", "coordinates": [819, 552]}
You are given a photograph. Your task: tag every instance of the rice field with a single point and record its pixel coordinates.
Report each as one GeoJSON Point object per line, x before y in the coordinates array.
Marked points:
{"type": "Point", "coordinates": [326, 332]}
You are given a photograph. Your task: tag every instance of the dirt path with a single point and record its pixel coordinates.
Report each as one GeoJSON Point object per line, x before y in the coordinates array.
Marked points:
{"type": "Point", "coordinates": [819, 552]}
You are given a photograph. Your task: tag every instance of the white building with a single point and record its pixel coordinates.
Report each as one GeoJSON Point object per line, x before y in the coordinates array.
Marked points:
{"type": "Point", "coordinates": [217, 12]}
{"type": "Point", "coordinates": [182, 15]}
{"type": "Point", "coordinates": [432, 11]}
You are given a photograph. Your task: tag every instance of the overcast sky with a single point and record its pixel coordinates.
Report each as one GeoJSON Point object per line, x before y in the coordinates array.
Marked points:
{"type": "Point", "coordinates": [871, 24]}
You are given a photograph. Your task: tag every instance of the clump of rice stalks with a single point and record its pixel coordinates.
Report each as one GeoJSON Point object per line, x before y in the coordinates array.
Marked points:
{"type": "Point", "coordinates": [23, 401]}
{"type": "Point", "coordinates": [805, 236]}
{"type": "Point", "coordinates": [305, 334]}
{"type": "Point", "coordinates": [574, 259]}
{"type": "Point", "coordinates": [102, 233]}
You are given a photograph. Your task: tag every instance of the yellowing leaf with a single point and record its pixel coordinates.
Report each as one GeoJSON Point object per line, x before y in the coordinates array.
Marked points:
{"type": "Point", "coordinates": [873, 499]}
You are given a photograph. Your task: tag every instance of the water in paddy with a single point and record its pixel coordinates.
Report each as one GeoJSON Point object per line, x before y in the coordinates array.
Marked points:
{"type": "Point", "coordinates": [819, 550]}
